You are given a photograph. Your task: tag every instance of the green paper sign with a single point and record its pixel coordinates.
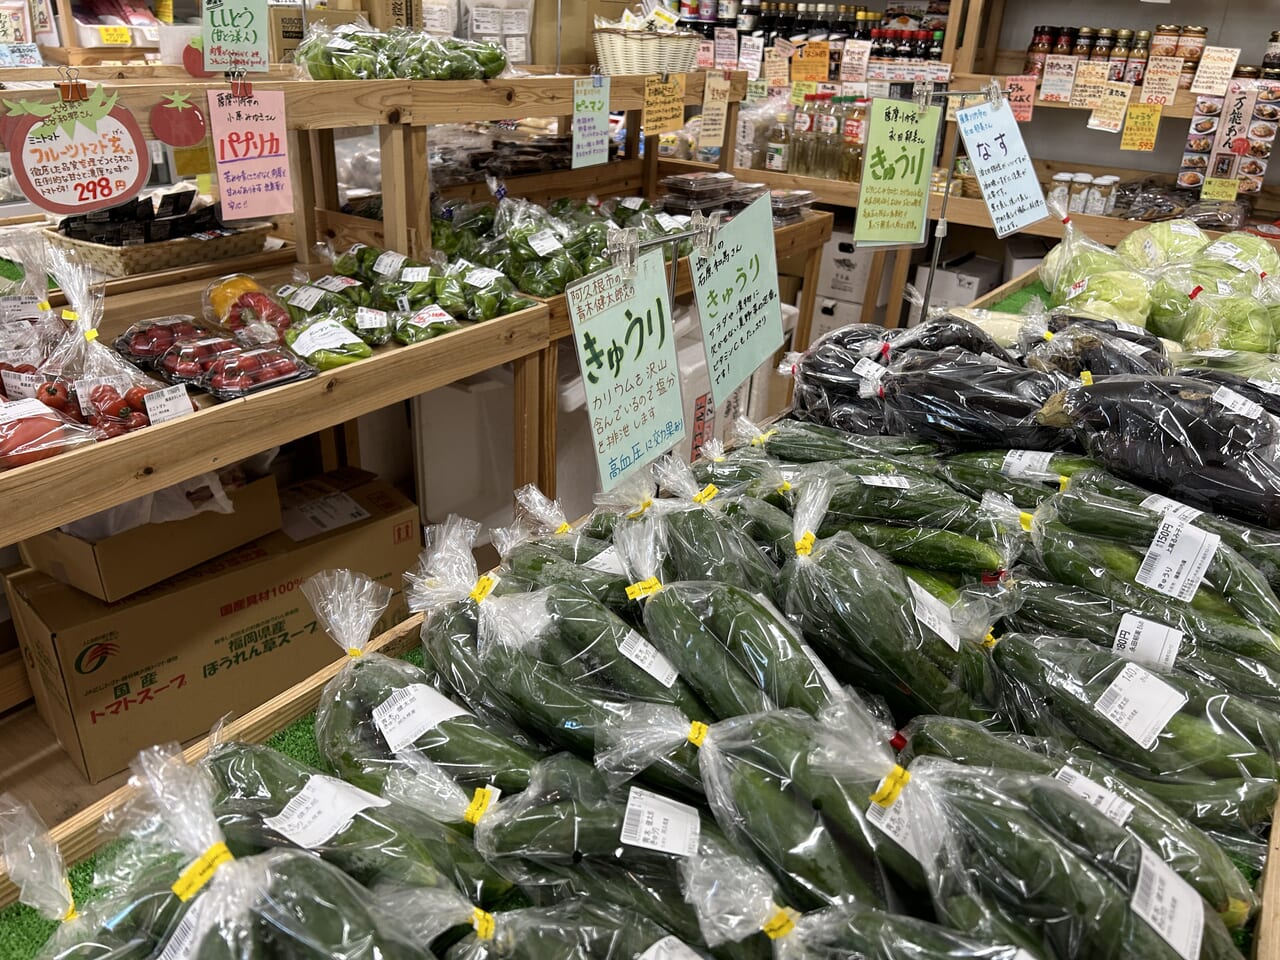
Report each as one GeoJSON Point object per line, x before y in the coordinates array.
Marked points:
{"type": "Point", "coordinates": [626, 345]}
{"type": "Point", "coordinates": [897, 167]}
{"type": "Point", "coordinates": [235, 35]}
{"type": "Point", "coordinates": [738, 305]}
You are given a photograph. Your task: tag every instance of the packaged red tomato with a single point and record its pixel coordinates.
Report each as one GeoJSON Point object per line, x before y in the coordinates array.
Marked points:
{"type": "Point", "coordinates": [148, 340]}
{"type": "Point", "coordinates": [243, 305]}
{"type": "Point", "coordinates": [188, 360]}
{"type": "Point", "coordinates": [31, 431]}
{"type": "Point", "coordinates": [248, 371]}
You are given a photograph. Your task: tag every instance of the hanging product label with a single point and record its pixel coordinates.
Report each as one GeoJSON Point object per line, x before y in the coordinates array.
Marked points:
{"type": "Point", "coordinates": [1163, 505]}
{"type": "Point", "coordinates": [868, 369]}
{"type": "Point", "coordinates": [891, 482]}
{"type": "Point", "coordinates": [389, 263]}
{"type": "Point", "coordinates": [19, 386]}
{"type": "Point", "coordinates": [725, 50]}
{"type": "Point", "coordinates": [335, 283]}
{"type": "Point", "coordinates": [646, 656]}
{"type": "Point", "coordinates": [323, 335]}
{"type": "Point", "coordinates": [545, 242]}
{"type": "Point", "coordinates": [1113, 806]}
{"type": "Point", "coordinates": [657, 823]}
{"type": "Point", "coordinates": [251, 150]}
{"type": "Point", "coordinates": [305, 297]}
{"type": "Point", "coordinates": [1177, 559]}
{"type": "Point", "coordinates": [1108, 116]}
{"type": "Point", "coordinates": [934, 613]}
{"type": "Point", "coordinates": [1058, 80]}
{"type": "Point", "coordinates": [1160, 83]}
{"type": "Point", "coordinates": [1090, 85]}
{"type": "Point", "coordinates": [1169, 905]}
{"type": "Point", "coordinates": [590, 121]}
{"type": "Point", "coordinates": [1140, 704]}
{"type": "Point", "coordinates": [1021, 93]}
{"type": "Point", "coordinates": [1147, 642]}
{"type": "Point", "coordinates": [1010, 185]}
{"type": "Point", "coordinates": [750, 56]}
{"type": "Point", "coordinates": [1237, 403]}
{"type": "Point", "coordinates": [853, 64]}
{"type": "Point", "coordinates": [715, 111]}
{"type": "Point", "coordinates": [168, 403]}
{"type": "Point", "coordinates": [607, 561]}
{"type": "Point", "coordinates": [1028, 465]}
{"type": "Point", "coordinates": [410, 712]}
{"type": "Point", "coordinates": [897, 164]}
{"type": "Point", "coordinates": [320, 809]}
{"type": "Point", "coordinates": [668, 948]}
{"type": "Point", "coordinates": [663, 104]}
{"type": "Point", "coordinates": [236, 35]}
{"type": "Point", "coordinates": [1217, 67]}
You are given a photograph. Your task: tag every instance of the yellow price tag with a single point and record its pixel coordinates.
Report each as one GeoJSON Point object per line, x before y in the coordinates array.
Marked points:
{"type": "Point", "coordinates": [484, 586]}
{"type": "Point", "coordinates": [115, 36]}
{"type": "Point", "coordinates": [645, 588]}
{"type": "Point", "coordinates": [201, 871]}
{"type": "Point", "coordinates": [891, 787]}
{"type": "Point", "coordinates": [1141, 126]}
{"type": "Point", "coordinates": [70, 316]}
{"type": "Point", "coordinates": [706, 494]}
{"type": "Point", "coordinates": [990, 640]}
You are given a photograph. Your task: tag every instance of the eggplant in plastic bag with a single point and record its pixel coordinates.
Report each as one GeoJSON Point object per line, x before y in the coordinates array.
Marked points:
{"type": "Point", "coordinates": [1077, 349]}
{"type": "Point", "coordinates": [1199, 444]}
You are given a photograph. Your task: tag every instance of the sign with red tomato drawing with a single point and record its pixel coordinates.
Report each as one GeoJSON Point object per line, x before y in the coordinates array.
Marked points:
{"type": "Point", "coordinates": [251, 150]}
{"type": "Point", "coordinates": [75, 157]}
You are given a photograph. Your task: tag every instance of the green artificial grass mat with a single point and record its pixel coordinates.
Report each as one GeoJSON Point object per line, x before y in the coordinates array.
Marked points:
{"type": "Point", "coordinates": [1016, 301]}
{"type": "Point", "coordinates": [23, 931]}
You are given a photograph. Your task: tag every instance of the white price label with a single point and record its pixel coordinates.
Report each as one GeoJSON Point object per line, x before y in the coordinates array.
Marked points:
{"type": "Point", "coordinates": [1169, 905]}
{"type": "Point", "coordinates": [182, 941]}
{"type": "Point", "coordinates": [631, 203]}
{"type": "Point", "coordinates": [306, 297]}
{"type": "Point", "coordinates": [320, 809]}
{"type": "Point", "coordinates": [1147, 642]}
{"type": "Point", "coordinates": [368, 318]}
{"type": "Point", "coordinates": [1266, 386]}
{"type": "Point", "coordinates": [668, 948]}
{"type": "Point", "coordinates": [545, 242]}
{"type": "Point", "coordinates": [606, 561]}
{"type": "Point", "coordinates": [1177, 559]}
{"type": "Point", "coordinates": [657, 823]}
{"type": "Point", "coordinates": [1150, 249]}
{"type": "Point", "coordinates": [668, 222]}
{"type": "Point", "coordinates": [934, 614]}
{"type": "Point", "coordinates": [1140, 704]}
{"type": "Point", "coordinates": [483, 276]}
{"type": "Point", "coordinates": [19, 308]}
{"type": "Point", "coordinates": [901, 824]}
{"type": "Point", "coordinates": [1237, 403]}
{"type": "Point", "coordinates": [323, 335]}
{"type": "Point", "coordinates": [1111, 805]}
{"type": "Point", "coordinates": [1215, 354]}
{"type": "Point", "coordinates": [896, 483]}
{"type": "Point", "coordinates": [646, 656]}
{"type": "Point", "coordinates": [1129, 327]}
{"type": "Point", "coordinates": [389, 263]}
{"type": "Point", "coordinates": [84, 389]}
{"type": "Point", "coordinates": [410, 712]}
{"type": "Point", "coordinates": [28, 407]}
{"type": "Point", "coordinates": [429, 315]}
{"type": "Point", "coordinates": [307, 518]}
{"type": "Point", "coordinates": [1028, 465]}
{"type": "Point", "coordinates": [20, 385]}
{"type": "Point", "coordinates": [1165, 507]}
{"type": "Point", "coordinates": [416, 274]}
{"type": "Point", "coordinates": [1184, 228]}
{"type": "Point", "coordinates": [868, 369]}
{"type": "Point", "coordinates": [1076, 289]}
{"type": "Point", "coordinates": [167, 404]}
{"type": "Point", "coordinates": [335, 284]}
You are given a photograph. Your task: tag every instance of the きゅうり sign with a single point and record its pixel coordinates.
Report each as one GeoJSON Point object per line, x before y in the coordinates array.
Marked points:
{"type": "Point", "coordinates": [251, 154]}
{"type": "Point", "coordinates": [897, 163]}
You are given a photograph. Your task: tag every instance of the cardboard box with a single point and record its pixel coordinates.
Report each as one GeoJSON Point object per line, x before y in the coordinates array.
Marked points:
{"type": "Point", "coordinates": [131, 561]}
{"type": "Point", "coordinates": [845, 271]}
{"type": "Point", "coordinates": [829, 314]}
{"type": "Point", "coordinates": [386, 14]}
{"type": "Point", "coordinates": [1023, 253]}
{"type": "Point", "coordinates": [165, 664]}
{"type": "Point", "coordinates": [288, 29]}
{"type": "Point", "coordinates": [959, 281]}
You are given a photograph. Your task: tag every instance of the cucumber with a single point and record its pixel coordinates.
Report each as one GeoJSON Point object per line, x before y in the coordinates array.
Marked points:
{"type": "Point", "coordinates": [1231, 805]}
{"type": "Point", "coordinates": [925, 501]}
{"type": "Point", "coordinates": [801, 442]}
{"type": "Point", "coordinates": [1060, 464]}
{"type": "Point", "coordinates": [927, 547]}
{"type": "Point", "coordinates": [855, 931]}
{"type": "Point", "coordinates": [767, 525]}
{"type": "Point", "coordinates": [538, 564]}
{"type": "Point", "coordinates": [975, 481]}
{"type": "Point", "coordinates": [700, 545]}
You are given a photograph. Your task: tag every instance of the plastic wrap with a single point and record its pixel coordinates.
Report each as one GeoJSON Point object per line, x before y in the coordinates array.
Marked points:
{"type": "Point", "coordinates": [238, 374]}
{"type": "Point", "coordinates": [1228, 322]}
{"type": "Point", "coordinates": [1139, 336]}
{"type": "Point", "coordinates": [358, 52]}
{"type": "Point", "coordinates": [1026, 846]}
{"type": "Point", "coordinates": [1075, 258]}
{"type": "Point", "coordinates": [31, 431]}
{"type": "Point", "coordinates": [1077, 349]}
{"type": "Point", "coordinates": [188, 359]}
{"type": "Point", "coordinates": [537, 251]}
{"type": "Point", "coordinates": [1158, 244]}
{"type": "Point", "coordinates": [1179, 436]}
{"type": "Point", "coordinates": [872, 628]}
{"type": "Point", "coordinates": [241, 304]}
{"type": "Point", "coordinates": [1024, 477]}
{"type": "Point", "coordinates": [147, 341]}
{"type": "Point", "coordinates": [798, 442]}
{"type": "Point", "coordinates": [1244, 252]}
{"type": "Point", "coordinates": [376, 708]}
{"type": "Point", "coordinates": [326, 342]}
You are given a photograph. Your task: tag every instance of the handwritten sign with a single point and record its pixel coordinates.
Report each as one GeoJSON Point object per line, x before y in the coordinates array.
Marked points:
{"type": "Point", "coordinates": [1090, 86]}
{"type": "Point", "coordinates": [1217, 64]}
{"type": "Point", "coordinates": [1059, 79]}
{"type": "Point", "coordinates": [1160, 84]}
{"type": "Point", "coordinates": [725, 50]}
{"type": "Point", "coordinates": [757, 90]}
{"type": "Point", "coordinates": [736, 289]}
{"type": "Point", "coordinates": [1021, 93]}
{"type": "Point", "coordinates": [1010, 186]}
{"type": "Point", "coordinates": [801, 89]}
{"type": "Point", "coordinates": [813, 62]}
{"type": "Point", "coordinates": [750, 56]}
{"type": "Point", "coordinates": [706, 58]}
{"type": "Point", "coordinates": [897, 165]}
{"type": "Point", "coordinates": [114, 36]}
{"type": "Point", "coordinates": [626, 344]}
{"type": "Point", "coordinates": [784, 48]}
{"type": "Point", "coordinates": [964, 100]}
{"type": "Point", "coordinates": [853, 65]}
{"type": "Point", "coordinates": [76, 157]}
{"type": "Point", "coordinates": [20, 55]}
{"type": "Point", "coordinates": [775, 69]}
{"type": "Point", "coordinates": [1141, 126]}
{"type": "Point", "coordinates": [715, 109]}
{"type": "Point", "coordinates": [235, 35]}
{"type": "Point", "coordinates": [1109, 115]}
{"type": "Point", "coordinates": [251, 153]}
{"type": "Point", "coordinates": [590, 121]}
{"type": "Point", "coordinates": [1219, 188]}
{"type": "Point", "coordinates": [663, 104]}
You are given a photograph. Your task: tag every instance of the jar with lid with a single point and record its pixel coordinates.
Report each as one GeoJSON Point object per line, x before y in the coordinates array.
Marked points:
{"type": "Point", "coordinates": [1188, 75]}
{"type": "Point", "coordinates": [1271, 58]}
{"type": "Point", "coordinates": [1135, 69]}
{"type": "Point", "coordinates": [1041, 44]}
{"type": "Point", "coordinates": [1100, 193]}
{"type": "Point", "coordinates": [1079, 196]}
{"type": "Point", "coordinates": [1191, 43]}
{"type": "Point", "coordinates": [777, 154]}
{"type": "Point", "coordinates": [1065, 44]}
{"type": "Point", "coordinates": [1084, 43]}
{"type": "Point", "coordinates": [1119, 55]}
{"type": "Point", "coordinates": [1102, 44]}
{"type": "Point", "coordinates": [1165, 41]}
{"type": "Point", "coordinates": [1060, 192]}
{"type": "Point", "coordinates": [1246, 72]}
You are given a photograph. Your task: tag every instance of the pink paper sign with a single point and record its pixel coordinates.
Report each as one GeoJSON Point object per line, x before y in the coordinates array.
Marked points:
{"type": "Point", "coordinates": [251, 147]}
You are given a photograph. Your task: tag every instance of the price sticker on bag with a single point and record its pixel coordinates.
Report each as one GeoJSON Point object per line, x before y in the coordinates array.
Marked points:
{"type": "Point", "coordinates": [1169, 905]}
{"type": "Point", "coordinates": [324, 806]}
{"type": "Point", "coordinates": [606, 561]}
{"type": "Point", "coordinates": [1147, 642]}
{"type": "Point", "coordinates": [324, 335]}
{"type": "Point", "coordinates": [1237, 403]}
{"type": "Point", "coordinates": [658, 823]}
{"type": "Point", "coordinates": [646, 656]}
{"type": "Point", "coordinates": [389, 263]}
{"type": "Point", "coordinates": [668, 948]}
{"type": "Point", "coordinates": [868, 369]}
{"type": "Point", "coordinates": [545, 242]}
{"type": "Point", "coordinates": [335, 284]}
{"type": "Point", "coordinates": [1028, 465]}
{"type": "Point", "coordinates": [482, 276]}
{"type": "Point", "coordinates": [1111, 805]}
{"type": "Point", "coordinates": [1177, 559]}
{"type": "Point", "coordinates": [410, 712]}
{"type": "Point", "coordinates": [895, 822]}
{"type": "Point", "coordinates": [367, 318]}
{"type": "Point", "coordinates": [934, 613]}
{"type": "Point", "coordinates": [1140, 704]}
{"type": "Point", "coordinates": [417, 274]}
{"type": "Point", "coordinates": [19, 386]}
{"type": "Point", "coordinates": [894, 483]}
{"type": "Point", "coordinates": [1166, 507]}
{"type": "Point", "coordinates": [306, 298]}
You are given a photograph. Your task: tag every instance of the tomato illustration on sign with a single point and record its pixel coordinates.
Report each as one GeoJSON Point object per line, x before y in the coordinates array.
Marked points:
{"type": "Point", "coordinates": [177, 121]}
{"type": "Point", "coordinates": [193, 58]}
{"type": "Point", "coordinates": [74, 157]}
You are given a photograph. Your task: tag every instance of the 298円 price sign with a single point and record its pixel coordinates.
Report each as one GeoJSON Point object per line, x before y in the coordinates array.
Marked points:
{"type": "Point", "coordinates": [250, 147]}
{"type": "Point", "coordinates": [626, 345]}
{"type": "Point", "coordinates": [897, 165]}
{"type": "Point", "coordinates": [76, 157]}
{"type": "Point", "coordinates": [737, 293]}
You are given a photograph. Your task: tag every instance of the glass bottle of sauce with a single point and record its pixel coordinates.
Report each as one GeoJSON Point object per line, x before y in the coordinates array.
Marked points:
{"type": "Point", "coordinates": [1119, 55]}
{"type": "Point", "coordinates": [1165, 41]}
{"type": "Point", "coordinates": [1271, 58]}
{"type": "Point", "coordinates": [1065, 43]}
{"type": "Point", "coordinates": [1135, 70]}
{"type": "Point", "coordinates": [1191, 43]}
{"type": "Point", "coordinates": [1102, 45]}
{"type": "Point", "coordinates": [1041, 45]}
{"type": "Point", "coordinates": [1084, 43]}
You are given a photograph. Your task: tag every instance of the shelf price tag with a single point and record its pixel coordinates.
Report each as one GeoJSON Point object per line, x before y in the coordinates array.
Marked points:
{"type": "Point", "coordinates": [590, 121]}
{"type": "Point", "coordinates": [1141, 125]}
{"type": "Point", "coordinates": [169, 403]}
{"type": "Point", "coordinates": [626, 345]}
{"type": "Point", "coordinates": [750, 56]}
{"type": "Point", "coordinates": [663, 104]}
{"type": "Point", "coordinates": [235, 34]}
{"type": "Point", "coordinates": [775, 69]}
{"type": "Point", "coordinates": [1108, 115]}
{"type": "Point", "coordinates": [715, 109]}
{"type": "Point", "coordinates": [736, 289]}
{"type": "Point", "coordinates": [813, 62]}
{"type": "Point", "coordinates": [1022, 97]}
{"type": "Point", "coordinates": [1010, 187]}
{"type": "Point", "coordinates": [1058, 80]}
{"type": "Point", "coordinates": [1160, 84]}
{"type": "Point", "coordinates": [251, 150]}
{"type": "Point", "coordinates": [897, 164]}
{"type": "Point", "coordinates": [114, 36]}
{"type": "Point", "coordinates": [853, 65]}
{"type": "Point", "coordinates": [1217, 64]}
{"type": "Point", "coordinates": [725, 51]}
{"type": "Point", "coordinates": [1090, 86]}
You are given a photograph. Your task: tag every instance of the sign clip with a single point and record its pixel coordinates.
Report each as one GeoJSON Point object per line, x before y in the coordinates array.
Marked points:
{"type": "Point", "coordinates": [71, 88]}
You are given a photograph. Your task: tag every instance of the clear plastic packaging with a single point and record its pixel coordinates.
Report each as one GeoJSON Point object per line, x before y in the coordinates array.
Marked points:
{"type": "Point", "coordinates": [358, 52]}
{"type": "Point", "coordinates": [680, 205]}
{"type": "Point", "coordinates": [1228, 322]}
{"type": "Point", "coordinates": [1076, 258]}
{"type": "Point", "coordinates": [146, 341]}
{"type": "Point", "coordinates": [796, 441]}
{"type": "Point", "coordinates": [1218, 214]}
{"type": "Point", "coordinates": [242, 305]}
{"type": "Point", "coordinates": [1158, 244]}
{"type": "Point", "coordinates": [712, 184]}
{"type": "Point", "coordinates": [189, 358]}
{"type": "Point", "coordinates": [325, 342]}
{"type": "Point", "coordinates": [240, 374]}
{"type": "Point", "coordinates": [31, 431]}
{"type": "Point", "coordinates": [1076, 349]}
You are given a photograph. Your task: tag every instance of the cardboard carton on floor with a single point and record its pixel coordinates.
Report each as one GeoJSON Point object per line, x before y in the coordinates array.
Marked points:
{"type": "Point", "coordinates": [959, 281]}
{"type": "Point", "coordinates": [165, 664]}
{"type": "Point", "coordinates": [135, 559]}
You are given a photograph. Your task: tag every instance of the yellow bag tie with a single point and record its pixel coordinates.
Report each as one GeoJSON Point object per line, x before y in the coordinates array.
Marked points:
{"type": "Point", "coordinates": [483, 922]}
{"type": "Point", "coordinates": [91, 335]}
{"type": "Point", "coordinates": [1063, 482]}
{"type": "Point", "coordinates": [644, 588]}
{"type": "Point", "coordinates": [192, 880]}
{"type": "Point", "coordinates": [355, 652]}
{"type": "Point", "coordinates": [804, 546]}
{"type": "Point", "coordinates": [71, 914]}
{"type": "Point", "coordinates": [780, 924]}
{"type": "Point", "coordinates": [1025, 519]}
{"type": "Point", "coordinates": [43, 306]}
{"type": "Point", "coordinates": [70, 315]}
{"type": "Point", "coordinates": [762, 438]}
{"type": "Point", "coordinates": [784, 487]}
{"type": "Point", "coordinates": [990, 640]}
{"type": "Point", "coordinates": [697, 733]}
{"type": "Point", "coordinates": [484, 586]}
{"type": "Point", "coordinates": [892, 786]}
{"type": "Point", "coordinates": [1086, 378]}
{"type": "Point", "coordinates": [717, 459]}
{"type": "Point", "coordinates": [706, 494]}
{"type": "Point", "coordinates": [481, 800]}
{"type": "Point", "coordinates": [1048, 334]}
{"type": "Point", "coordinates": [564, 528]}
{"type": "Point", "coordinates": [636, 514]}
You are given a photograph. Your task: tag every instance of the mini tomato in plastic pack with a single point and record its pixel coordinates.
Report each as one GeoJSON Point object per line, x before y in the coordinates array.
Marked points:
{"type": "Point", "coordinates": [241, 373]}
{"type": "Point", "coordinates": [189, 359]}
{"type": "Point", "coordinates": [241, 304]}
{"type": "Point", "coordinates": [146, 341]}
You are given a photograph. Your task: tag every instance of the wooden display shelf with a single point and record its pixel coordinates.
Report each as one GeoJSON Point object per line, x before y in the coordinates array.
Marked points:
{"type": "Point", "coordinates": [616, 178]}
{"type": "Point", "coordinates": [98, 476]}
{"type": "Point", "coordinates": [95, 56]}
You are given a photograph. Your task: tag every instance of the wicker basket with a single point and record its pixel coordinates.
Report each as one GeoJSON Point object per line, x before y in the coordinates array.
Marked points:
{"type": "Point", "coordinates": [969, 186]}
{"type": "Point", "coordinates": [642, 51]}
{"type": "Point", "coordinates": [164, 255]}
